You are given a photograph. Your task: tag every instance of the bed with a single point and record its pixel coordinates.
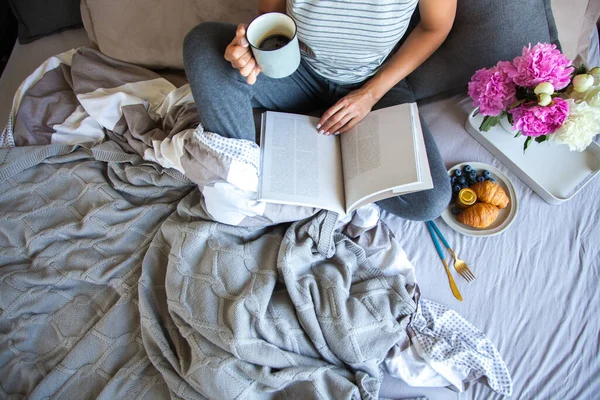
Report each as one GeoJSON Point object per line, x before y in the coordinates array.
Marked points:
{"type": "Point", "coordinates": [535, 296]}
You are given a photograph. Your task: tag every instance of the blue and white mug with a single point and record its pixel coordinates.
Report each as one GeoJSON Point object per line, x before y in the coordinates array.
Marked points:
{"type": "Point", "coordinates": [274, 43]}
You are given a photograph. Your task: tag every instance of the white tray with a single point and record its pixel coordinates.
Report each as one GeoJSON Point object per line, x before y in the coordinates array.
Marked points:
{"type": "Point", "coordinates": [552, 171]}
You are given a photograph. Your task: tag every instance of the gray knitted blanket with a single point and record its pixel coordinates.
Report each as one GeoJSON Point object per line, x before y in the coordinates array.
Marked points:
{"type": "Point", "coordinates": [135, 263]}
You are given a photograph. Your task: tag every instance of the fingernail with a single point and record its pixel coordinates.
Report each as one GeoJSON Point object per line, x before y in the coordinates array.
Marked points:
{"type": "Point", "coordinates": [318, 126]}
{"type": "Point", "coordinates": [244, 42]}
{"type": "Point", "coordinates": [321, 132]}
{"type": "Point", "coordinates": [337, 133]}
{"type": "Point", "coordinates": [327, 133]}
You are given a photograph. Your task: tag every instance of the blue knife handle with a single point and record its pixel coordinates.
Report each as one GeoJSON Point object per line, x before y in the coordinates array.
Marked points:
{"type": "Point", "coordinates": [434, 226]}
{"type": "Point", "coordinates": [435, 241]}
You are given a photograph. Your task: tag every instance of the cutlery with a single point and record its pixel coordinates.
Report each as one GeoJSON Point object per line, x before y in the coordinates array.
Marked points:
{"type": "Point", "coordinates": [460, 266]}
{"type": "Point", "coordinates": [453, 286]}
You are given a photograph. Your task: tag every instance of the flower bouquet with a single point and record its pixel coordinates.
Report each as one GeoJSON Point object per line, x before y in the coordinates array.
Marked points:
{"type": "Point", "coordinates": [542, 95]}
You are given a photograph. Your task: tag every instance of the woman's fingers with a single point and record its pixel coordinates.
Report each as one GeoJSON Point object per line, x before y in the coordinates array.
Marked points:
{"type": "Point", "coordinates": [251, 79]}
{"type": "Point", "coordinates": [341, 125]}
{"type": "Point", "coordinates": [349, 125]}
{"type": "Point", "coordinates": [245, 64]}
{"type": "Point", "coordinates": [239, 55]}
{"type": "Point", "coordinates": [324, 122]}
{"type": "Point", "coordinates": [248, 67]}
{"type": "Point", "coordinates": [332, 122]}
{"type": "Point", "coordinates": [235, 52]}
{"type": "Point", "coordinates": [240, 35]}
{"type": "Point", "coordinates": [347, 112]}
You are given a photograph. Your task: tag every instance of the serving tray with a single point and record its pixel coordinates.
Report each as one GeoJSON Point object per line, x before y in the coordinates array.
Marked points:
{"type": "Point", "coordinates": [552, 171]}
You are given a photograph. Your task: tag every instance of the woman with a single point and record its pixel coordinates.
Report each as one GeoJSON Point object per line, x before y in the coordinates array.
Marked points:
{"type": "Point", "coordinates": [351, 64]}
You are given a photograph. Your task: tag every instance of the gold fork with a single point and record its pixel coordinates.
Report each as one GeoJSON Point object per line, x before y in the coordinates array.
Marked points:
{"type": "Point", "coordinates": [459, 265]}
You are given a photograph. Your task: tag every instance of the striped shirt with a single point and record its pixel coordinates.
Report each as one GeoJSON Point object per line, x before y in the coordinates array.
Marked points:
{"type": "Point", "coordinates": [346, 41]}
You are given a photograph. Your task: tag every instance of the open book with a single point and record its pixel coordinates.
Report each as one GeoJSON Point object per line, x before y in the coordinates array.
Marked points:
{"type": "Point", "coordinates": [382, 156]}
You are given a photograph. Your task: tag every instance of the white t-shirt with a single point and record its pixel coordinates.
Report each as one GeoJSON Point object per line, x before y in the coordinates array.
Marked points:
{"type": "Point", "coordinates": [346, 41]}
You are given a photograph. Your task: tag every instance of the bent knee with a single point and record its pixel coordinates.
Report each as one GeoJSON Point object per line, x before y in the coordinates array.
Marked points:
{"type": "Point", "coordinates": [207, 41]}
{"type": "Point", "coordinates": [436, 199]}
{"type": "Point", "coordinates": [420, 206]}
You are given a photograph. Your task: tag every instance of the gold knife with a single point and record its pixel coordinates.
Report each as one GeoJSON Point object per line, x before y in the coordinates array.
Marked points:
{"type": "Point", "coordinates": [453, 286]}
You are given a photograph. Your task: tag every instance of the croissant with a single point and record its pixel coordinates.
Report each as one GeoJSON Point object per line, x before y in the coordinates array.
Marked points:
{"type": "Point", "coordinates": [491, 193]}
{"type": "Point", "coordinates": [479, 215]}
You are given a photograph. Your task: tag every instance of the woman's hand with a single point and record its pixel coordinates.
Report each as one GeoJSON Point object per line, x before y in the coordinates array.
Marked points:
{"type": "Point", "coordinates": [347, 112]}
{"type": "Point", "coordinates": [239, 55]}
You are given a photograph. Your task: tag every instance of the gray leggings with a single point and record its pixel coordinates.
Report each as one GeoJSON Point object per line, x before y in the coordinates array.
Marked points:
{"type": "Point", "coordinates": [225, 102]}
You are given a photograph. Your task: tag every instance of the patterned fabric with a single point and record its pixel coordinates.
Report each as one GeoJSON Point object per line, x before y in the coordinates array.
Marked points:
{"type": "Point", "coordinates": [447, 351]}
{"type": "Point", "coordinates": [6, 138]}
{"type": "Point", "coordinates": [136, 262]}
{"type": "Point", "coordinates": [236, 149]}
{"type": "Point", "coordinates": [347, 40]}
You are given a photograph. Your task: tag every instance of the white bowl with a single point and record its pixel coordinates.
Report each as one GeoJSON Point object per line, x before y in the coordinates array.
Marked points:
{"type": "Point", "coordinates": [506, 216]}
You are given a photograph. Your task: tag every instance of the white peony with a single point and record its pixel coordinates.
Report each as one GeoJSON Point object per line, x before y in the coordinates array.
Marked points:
{"type": "Point", "coordinates": [580, 127]}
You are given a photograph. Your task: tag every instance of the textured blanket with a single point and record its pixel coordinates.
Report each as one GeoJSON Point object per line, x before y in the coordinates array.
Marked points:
{"type": "Point", "coordinates": [135, 262]}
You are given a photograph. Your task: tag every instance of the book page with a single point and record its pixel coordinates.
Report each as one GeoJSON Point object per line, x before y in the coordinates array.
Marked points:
{"type": "Point", "coordinates": [299, 166]}
{"type": "Point", "coordinates": [426, 182]}
{"type": "Point", "coordinates": [379, 154]}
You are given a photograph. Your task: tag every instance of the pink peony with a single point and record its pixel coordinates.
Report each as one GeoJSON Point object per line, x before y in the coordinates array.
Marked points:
{"type": "Point", "coordinates": [542, 63]}
{"type": "Point", "coordinates": [492, 90]}
{"type": "Point", "coordinates": [534, 120]}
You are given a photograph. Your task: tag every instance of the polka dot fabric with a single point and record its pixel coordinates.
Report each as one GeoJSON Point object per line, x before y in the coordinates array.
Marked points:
{"type": "Point", "coordinates": [237, 149]}
{"type": "Point", "coordinates": [448, 339]}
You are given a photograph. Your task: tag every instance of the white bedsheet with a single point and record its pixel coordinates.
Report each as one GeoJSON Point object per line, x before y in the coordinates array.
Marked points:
{"type": "Point", "coordinates": [537, 294]}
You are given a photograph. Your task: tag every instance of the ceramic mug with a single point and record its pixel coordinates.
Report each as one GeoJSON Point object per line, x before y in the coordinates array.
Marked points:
{"type": "Point", "coordinates": [274, 43]}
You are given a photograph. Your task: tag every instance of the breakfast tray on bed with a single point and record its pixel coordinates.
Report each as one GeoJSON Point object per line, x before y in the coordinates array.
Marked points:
{"type": "Point", "coordinates": [552, 171]}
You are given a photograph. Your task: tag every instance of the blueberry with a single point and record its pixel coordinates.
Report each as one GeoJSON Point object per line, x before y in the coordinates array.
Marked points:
{"type": "Point", "coordinates": [453, 180]}
{"type": "Point", "coordinates": [491, 179]}
{"type": "Point", "coordinates": [457, 172]}
{"type": "Point", "coordinates": [487, 174]}
{"type": "Point", "coordinates": [455, 210]}
{"type": "Point", "coordinates": [471, 181]}
{"type": "Point", "coordinates": [473, 174]}
{"type": "Point", "coordinates": [480, 178]}
{"type": "Point", "coordinates": [462, 180]}
{"type": "Point", "coordinates": [467, 168]}
{"type": "Point", "coordinates": [456, 188]}
{"type": "Point", "coordinates": [464, 185]}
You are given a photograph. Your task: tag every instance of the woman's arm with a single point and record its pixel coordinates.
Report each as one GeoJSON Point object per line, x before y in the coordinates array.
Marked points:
{"type": "Point", "coordinates": [437, 17]}
{"type": "Point", "coordinates": [436, 21]}
{"type": "Point", "coordinates": [265, 6]}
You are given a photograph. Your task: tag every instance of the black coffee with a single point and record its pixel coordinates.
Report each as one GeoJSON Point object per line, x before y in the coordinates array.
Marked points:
{"type": "Point", "coordinates": [274, 42]}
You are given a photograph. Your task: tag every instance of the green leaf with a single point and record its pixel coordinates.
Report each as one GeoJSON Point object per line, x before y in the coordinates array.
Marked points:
{"type": "Point", "coordinates": [542, 139]}
{"type": "Point", "coordinates": [488, 123]}
{"type": "Point", "coordinates": [580, 70]}
{"type": "Point", "coordinates": [524, 94]}
{"type": "Point", "coordinates": [510, 118]}
{"type": "Point", "coordinates": [517, 135]}
{"type": "Point", "coordinates": [527, 142]}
